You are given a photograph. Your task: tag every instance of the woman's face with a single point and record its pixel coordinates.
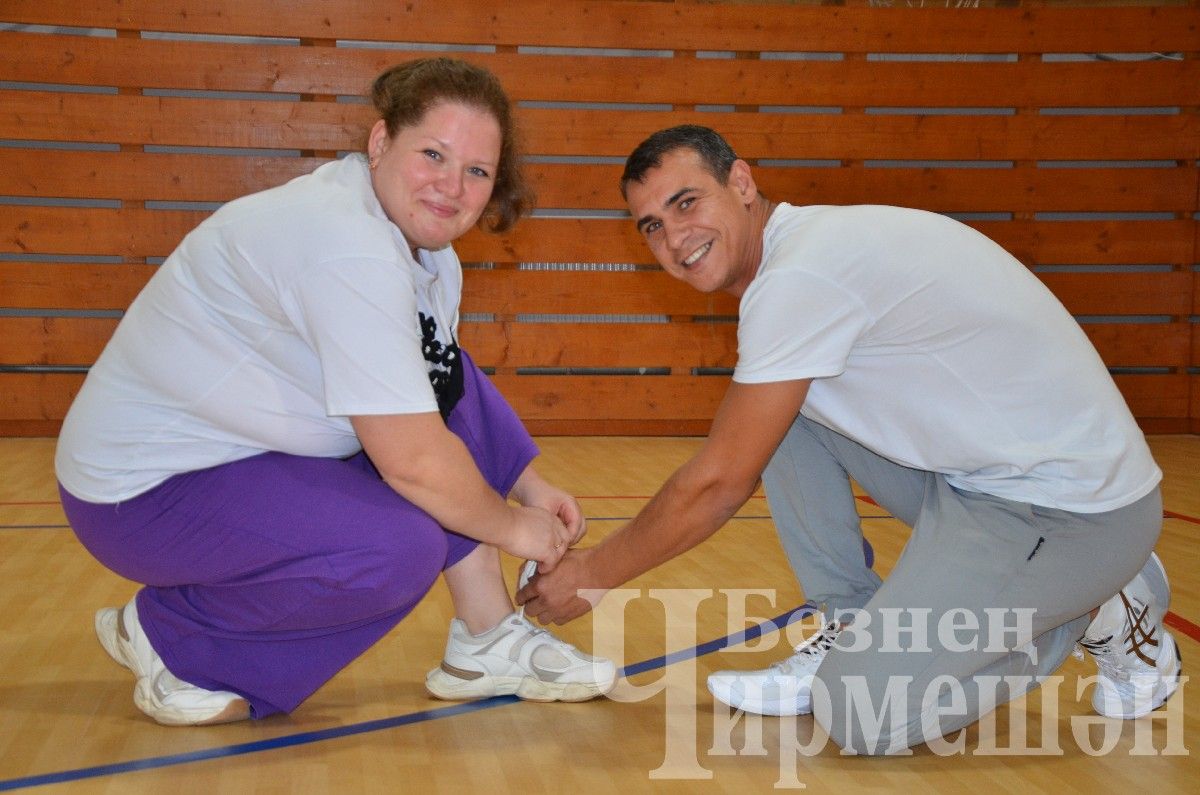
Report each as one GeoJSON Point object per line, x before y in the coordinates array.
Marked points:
{"type": "Point", "coordinates": [435, 178]}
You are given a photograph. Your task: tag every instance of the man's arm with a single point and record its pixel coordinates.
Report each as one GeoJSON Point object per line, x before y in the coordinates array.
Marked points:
{"type": "Point", "coordinates": [694, 502]}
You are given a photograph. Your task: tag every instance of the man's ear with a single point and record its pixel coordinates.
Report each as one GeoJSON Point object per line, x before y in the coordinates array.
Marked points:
{"type": "Point", "coordinates": [742, 181]}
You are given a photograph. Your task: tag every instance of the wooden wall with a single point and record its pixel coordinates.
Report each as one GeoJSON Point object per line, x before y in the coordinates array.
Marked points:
{"type": "Point", "coordinates": [1069, 135]}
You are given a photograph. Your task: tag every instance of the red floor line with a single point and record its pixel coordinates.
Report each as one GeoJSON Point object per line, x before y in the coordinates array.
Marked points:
{"type": "Point", "coordinates": [1178, 622]}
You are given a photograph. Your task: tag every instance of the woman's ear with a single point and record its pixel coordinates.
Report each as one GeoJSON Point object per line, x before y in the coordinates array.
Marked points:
{"type": "Point", "coordinates": [377, 141]}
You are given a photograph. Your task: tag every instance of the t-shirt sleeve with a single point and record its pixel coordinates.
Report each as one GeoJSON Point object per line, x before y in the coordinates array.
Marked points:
{"type": "Point", "coordinates": [794, 325]}
{"type": "Point", "coordinates": [360, 317]}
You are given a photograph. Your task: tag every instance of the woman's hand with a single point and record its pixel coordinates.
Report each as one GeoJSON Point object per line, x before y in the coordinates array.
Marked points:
{"type": "Point", "coordinates": [537, 535]}
{"type": "Point", "coordinates": [531, 490]}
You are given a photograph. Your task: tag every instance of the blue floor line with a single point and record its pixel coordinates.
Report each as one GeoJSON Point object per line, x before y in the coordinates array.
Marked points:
{"type": "Point", "coordinates": [305, 738]}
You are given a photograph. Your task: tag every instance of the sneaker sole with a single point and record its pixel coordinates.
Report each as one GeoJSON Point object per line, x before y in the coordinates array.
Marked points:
{"type": "Point", "coordinates": [1162, 693]}
{"type": "Point", "coordinates": [109, 635]}
{"type": "Point", "coordinates": [722, 691]}
{"type": "Point", "coordinates": [143, 699]}
{"type": "Point", "coordinates": [452, 688]}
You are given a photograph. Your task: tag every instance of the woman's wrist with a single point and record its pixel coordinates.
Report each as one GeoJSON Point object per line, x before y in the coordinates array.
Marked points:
{"type": "Point", "coordinates": [522, 490]}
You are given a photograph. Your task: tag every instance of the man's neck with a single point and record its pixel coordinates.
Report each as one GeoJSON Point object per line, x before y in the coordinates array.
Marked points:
{"type": "Point", "coordinates": [760, 213]}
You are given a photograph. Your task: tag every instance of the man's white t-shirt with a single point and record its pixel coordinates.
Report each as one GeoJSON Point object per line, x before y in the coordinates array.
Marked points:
{"type": "Point", "coordinates": [279, 317]}
{"type": "Point", "coordinates": [930, 345]}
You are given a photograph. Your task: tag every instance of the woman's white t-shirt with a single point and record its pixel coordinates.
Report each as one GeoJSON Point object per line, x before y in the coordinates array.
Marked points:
{"type": "Point", "coordinates": [275, 320]}
{"type": "Point", "coordinates": [935, 348]}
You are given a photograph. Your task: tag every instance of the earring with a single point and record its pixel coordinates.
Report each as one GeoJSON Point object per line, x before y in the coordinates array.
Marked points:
{"type": "Point", "coordinates": [373, 163]}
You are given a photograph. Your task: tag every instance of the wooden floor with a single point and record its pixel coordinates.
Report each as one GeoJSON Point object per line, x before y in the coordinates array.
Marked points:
{"type": "Point", "coordinates": [67, 722]}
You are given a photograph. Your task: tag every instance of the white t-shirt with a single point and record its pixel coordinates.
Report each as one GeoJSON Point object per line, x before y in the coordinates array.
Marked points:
{"type": "Point", "coordinates": [279, 317]}
{"type": "Point", "coordinates": [935, 348]}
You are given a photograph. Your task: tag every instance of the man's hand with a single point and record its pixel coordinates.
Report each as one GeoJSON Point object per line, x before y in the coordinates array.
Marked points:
{"type": "Point", "coordinates": [553, 597]}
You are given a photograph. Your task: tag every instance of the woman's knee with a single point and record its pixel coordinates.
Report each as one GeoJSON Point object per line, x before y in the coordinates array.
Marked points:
{"type": "Point", "coordinates": [401, 563]}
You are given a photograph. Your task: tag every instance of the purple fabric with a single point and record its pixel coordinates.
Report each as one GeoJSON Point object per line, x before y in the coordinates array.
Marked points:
{"type": "Point", "coordinates": [267, 576]}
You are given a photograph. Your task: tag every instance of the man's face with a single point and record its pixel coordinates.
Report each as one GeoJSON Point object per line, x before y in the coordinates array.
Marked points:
{"type": "Point", "coordinates": [699, 230]}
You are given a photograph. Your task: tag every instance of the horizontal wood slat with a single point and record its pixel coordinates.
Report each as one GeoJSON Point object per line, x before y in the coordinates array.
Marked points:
{"type": "Point", "coordinates": [42, 285]}
{"type": "Point", "coordinates": [1138, 293]}
{"type": "Point", "coordinates": [944, 189]}
{"type": "Point", "coordinates": [681, 80]}
{"type": "Point", "coordinates": [876, 136]}
{"type": "Point", "coordinates": [143, 177]}
{"type": "Point", "coordinates": [72, 285]}
{"type": "Point", "coordinates": [651, 397]}
{"type": "Point", "coordinates": [507, 292]}
{"type": "Point", "coordinates": [689, 26]}
{"type": "Point", "coordinates": [65, 341]}
{"type": "Point", "coordinates": [1060, 242]}
{"type": "Point", "coordinates": [628, 401]}
{"type": "Point", "coordinates": [174, 121]}
{"type": "Point", "coordinates": [176, 177]}
{"type": "Point", "coordinates": [329, 126]}
{"type": "Point", "coordinates": [1155, 396]}
{"type": "Point", "coordinates": [681, 346]}
{"type": "Point", "coordinates": [53, 340]}
{"type": "Point", "coordinates": [151, 233]}
{"type": "Point", "coordinates": [70, 230]}
{"type": "Point", "coordinates": [37, 396]}
{"type": "Point", "coordinates": [1141, 344]}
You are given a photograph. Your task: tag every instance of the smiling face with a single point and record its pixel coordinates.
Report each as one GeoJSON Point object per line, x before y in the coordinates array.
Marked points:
{"type": "Point", "coordinates": [701, 231]}
{"type": "Point", "coordinates": [435, 178]}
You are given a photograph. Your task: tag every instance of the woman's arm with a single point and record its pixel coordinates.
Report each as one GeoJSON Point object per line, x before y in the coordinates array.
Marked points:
{"type": "Point", "coordinates": [431, 467]}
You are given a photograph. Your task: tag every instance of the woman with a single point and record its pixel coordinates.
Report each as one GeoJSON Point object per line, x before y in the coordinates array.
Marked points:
{"type": "Point", "coordinates": [284, 443]}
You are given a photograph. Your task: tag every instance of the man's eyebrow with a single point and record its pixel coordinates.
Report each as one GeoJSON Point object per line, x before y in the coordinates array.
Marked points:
{"type": "Point", "coordinates": [674, 197]}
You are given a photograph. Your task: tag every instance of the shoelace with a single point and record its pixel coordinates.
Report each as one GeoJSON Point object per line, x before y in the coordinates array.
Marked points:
{"type": "Point", "coordinates": [1104, 655]}
{"type": "Point", "coordinates": [536, 633]}
{"type": "Point", "coordinates": [816, 645]}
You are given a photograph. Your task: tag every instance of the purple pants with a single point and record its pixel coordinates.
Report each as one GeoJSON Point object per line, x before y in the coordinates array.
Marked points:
{"type": "Point", "coordinates": [267, 576]}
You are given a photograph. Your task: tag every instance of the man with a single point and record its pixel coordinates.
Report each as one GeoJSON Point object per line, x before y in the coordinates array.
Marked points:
{"type": "Point", "coordinates": [906, 351]}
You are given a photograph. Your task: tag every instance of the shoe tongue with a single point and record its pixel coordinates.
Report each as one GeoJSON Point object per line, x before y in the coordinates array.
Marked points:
{"type": "Point", "coordinates": [1111, 619]}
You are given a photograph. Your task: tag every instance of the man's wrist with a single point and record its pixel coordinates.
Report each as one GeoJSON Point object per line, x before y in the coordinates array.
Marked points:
{"type": "Point", "coordinates": [598, 564]}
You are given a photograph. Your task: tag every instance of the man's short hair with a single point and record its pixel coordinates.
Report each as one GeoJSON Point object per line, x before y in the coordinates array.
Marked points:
{"type": "Point", "coordinates": [715, 152]}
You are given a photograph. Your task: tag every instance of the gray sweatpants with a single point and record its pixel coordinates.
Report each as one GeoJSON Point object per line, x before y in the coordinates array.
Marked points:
{"type": "Point", "coordinates": [986, 588]}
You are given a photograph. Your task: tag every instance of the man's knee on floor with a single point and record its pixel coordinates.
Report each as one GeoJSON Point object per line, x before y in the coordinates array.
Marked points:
{"type": "Point", "coordinates": [865, 714]}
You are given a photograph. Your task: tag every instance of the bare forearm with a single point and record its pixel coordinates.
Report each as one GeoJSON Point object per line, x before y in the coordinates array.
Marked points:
{"type": "Point", "coordinates": [697, 500]}
{"type": "Point", "coordinates": [431, 468]}
{"type": "Point", "coordinates": [689, 508]}
{"type": "Point", "coordinates": [445, 483]}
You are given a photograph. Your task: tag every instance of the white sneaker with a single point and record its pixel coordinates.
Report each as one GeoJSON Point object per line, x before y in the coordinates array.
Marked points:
{"type": "Point", "coordinates": [783, 689]}
{"type": "Point", "coordinates": [159, 693]}
{"type": "Point", "coordinates": [517, 657]}
{"type": "Point", "coordinates": [1139, 663]}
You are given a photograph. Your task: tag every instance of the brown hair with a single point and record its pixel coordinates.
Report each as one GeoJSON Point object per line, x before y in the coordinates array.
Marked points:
{"type": "Point", "coordinates": [404, 93]}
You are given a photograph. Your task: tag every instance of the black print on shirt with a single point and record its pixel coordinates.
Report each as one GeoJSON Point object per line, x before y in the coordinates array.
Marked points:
{"type": "Point", "coordinates": [445, 366]}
